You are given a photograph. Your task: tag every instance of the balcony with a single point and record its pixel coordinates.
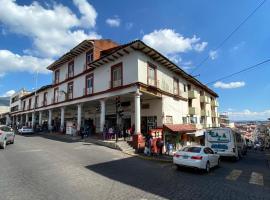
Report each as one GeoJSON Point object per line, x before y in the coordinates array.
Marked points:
{"type": "Point", "coordinates": [205, 99]}
{"type": "Point", "coordinates": [205, 113]}
{"type": "Point", "coordinates": [192, 94]}
{"type": "Point", "coordinates": [193, 111]}
{"type": "Point", "coordinates": [214, 103]}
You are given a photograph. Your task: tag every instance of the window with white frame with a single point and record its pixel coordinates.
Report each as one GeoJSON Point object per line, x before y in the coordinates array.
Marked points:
{"type": "Point", "coordinates": [89, 84]}
{"type": "Point", "coordinates": [184, 120]}
{"type": "Point", "coordinates": [193, 120]}
{"type": "Point", "coordinates": [169, 119]}
{"type": "Point", "coordinates": [117, 75]}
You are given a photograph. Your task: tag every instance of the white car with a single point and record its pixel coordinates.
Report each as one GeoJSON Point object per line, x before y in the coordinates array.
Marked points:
{"type": "Point", "coordinates": [199, 157]}
{"type": "Point", "coordinates": [7, 136]}
{"type": "Point", "coordinates": [25, 129]}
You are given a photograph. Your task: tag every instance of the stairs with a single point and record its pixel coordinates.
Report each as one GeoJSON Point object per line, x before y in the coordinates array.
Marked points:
{"type": "Point", "coordinates": [125, 147]}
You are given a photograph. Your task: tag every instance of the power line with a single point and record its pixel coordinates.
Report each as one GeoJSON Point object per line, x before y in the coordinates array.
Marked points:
{"type": "Point", "coordinates": [241, 71]}
{"type": "Point", "coordinates": [230, 35]}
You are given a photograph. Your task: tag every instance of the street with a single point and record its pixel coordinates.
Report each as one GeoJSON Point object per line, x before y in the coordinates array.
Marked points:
{"type": "Point", "coordinates": [40, 168]}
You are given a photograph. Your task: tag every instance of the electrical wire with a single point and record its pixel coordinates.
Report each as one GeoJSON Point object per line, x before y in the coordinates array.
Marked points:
{"type": "Point", "coordinates": [241, 71]}
{"type": "Point", "coordinates": [230, 35]}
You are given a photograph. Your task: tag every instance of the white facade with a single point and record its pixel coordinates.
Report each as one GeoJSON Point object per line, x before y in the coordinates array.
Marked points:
{"type": "Point", "coordinates": [158, 103]}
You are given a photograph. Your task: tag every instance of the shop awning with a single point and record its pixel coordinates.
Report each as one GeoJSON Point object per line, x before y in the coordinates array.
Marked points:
{"type": "Point", "coordinates": [181, 128]}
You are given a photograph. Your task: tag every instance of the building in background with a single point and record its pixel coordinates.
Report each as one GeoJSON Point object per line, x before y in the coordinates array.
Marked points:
{"type": "Point", "coordinates": [15, 103]}
{"type": "Point", "coordinates": [4, 110]}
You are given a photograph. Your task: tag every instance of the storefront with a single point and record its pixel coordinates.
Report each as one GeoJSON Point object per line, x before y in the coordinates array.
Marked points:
{"type": "Point", "coordinates": [178, 135]}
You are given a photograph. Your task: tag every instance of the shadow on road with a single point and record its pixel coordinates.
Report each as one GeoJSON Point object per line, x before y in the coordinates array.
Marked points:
{"type": "Point", "coordinates": [52, 136]}
{"type": "Point", "coordinates": [162, 180]}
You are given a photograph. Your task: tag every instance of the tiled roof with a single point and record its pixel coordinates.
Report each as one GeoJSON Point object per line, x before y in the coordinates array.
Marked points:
{"type": "Point", "coordinates": [183, 128]}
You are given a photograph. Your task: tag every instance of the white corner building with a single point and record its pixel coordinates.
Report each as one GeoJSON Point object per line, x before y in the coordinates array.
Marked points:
{"type": "Point", "coordinates": [90, 78]}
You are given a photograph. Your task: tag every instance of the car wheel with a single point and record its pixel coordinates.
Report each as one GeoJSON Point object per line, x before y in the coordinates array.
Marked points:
{"type": "Point", "coordinates": [178, 167]}
{"type": "Point", "coordinates": [218, 164]}
{"type": "Point", "coordinates": [207, 167]}
{"type": "Point", "coordinates": [3, 146]}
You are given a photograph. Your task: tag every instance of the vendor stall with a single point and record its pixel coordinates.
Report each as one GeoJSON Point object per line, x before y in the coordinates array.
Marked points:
{"type": "Point", "coordinates": [178, 135]}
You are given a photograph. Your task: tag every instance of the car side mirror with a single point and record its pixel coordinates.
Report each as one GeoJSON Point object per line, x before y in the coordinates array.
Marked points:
{"type": "Point", "coordinates": [215, 152]}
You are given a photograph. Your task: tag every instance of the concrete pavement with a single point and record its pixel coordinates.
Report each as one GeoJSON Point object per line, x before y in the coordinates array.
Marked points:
{"type": "Point", "coordinates": [36, 167]}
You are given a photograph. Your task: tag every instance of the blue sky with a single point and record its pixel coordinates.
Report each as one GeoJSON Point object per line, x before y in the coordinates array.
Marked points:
{"type": "Point", "coordinates": [33, 34]}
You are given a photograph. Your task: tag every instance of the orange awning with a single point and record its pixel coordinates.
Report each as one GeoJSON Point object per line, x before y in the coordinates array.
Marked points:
{"type": "Point", "coordinates": [182, 128]}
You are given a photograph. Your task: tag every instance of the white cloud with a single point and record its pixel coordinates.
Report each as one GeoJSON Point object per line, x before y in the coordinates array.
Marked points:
{"type": "Point", "coordinates": [10, 62]}
{"type": "Point", "coordinates": [88, 12]}
{"type": "Point", "coordinates": [8, 93]}
{"type": "Point", "coordinates": [113, 22]}
{"type": "Point", "coordinates": [249, 115]}
{"type": "Point", "coordinates": [200, 46]}
{"type": "Point", "coordinates": [213, 54]}
{"type": "Point", "coordinates": [53, 29]}
{"type": "Point", "coordinates": [167, 41]}
{"type": "Point", "coordinates": [175, 58]}
{"type": "Point", "coordinates": [230, 85]}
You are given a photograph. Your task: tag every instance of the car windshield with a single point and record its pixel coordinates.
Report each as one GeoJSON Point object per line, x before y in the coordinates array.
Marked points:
{"type": "Point", "coordinates": [192, 149]}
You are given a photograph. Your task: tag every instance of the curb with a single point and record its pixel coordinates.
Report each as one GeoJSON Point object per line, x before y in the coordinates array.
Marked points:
{"type": "Point", "coordinates": [148, 158]}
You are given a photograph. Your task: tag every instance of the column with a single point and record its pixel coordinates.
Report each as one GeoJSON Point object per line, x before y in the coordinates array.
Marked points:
{"type": "Point", "coordinates": [7, 120]}
{"type": "Point", "coordinates": [17, 119]}
{"type": "Point", "coordinates": [21, 120]}
{"type": "Point", "coordinates": [62, 118]}
{"type": "Point", "coordinates": [102, 115]}
{"type": "Point", "coordinates": [137, 102]}
{"type": "Point", "coordinates": [40, 118]}
{"type": "Point", "coordinates": [50, 120]}
{"type": "Point", "coordinates": [33, 120]}
{"type": "Point", "coordinates": [79, 117]}
{"type": "Point", "coordinates": [26, 119]}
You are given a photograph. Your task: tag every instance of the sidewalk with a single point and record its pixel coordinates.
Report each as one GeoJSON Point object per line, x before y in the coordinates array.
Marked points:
{"type": "Point", "coordinates": [107, 143]}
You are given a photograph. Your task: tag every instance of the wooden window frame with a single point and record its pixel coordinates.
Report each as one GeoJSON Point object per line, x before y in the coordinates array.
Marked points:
{"type": "Point", "coordinates": [45, 100]}
{"type": "Point", "coordinates": [70, 83]}
{"type": "Point", "coordinates": [112, 69]}
{"type": "Point", "coordinates": [86, 88]}
{"type": "Point", "coordinates": [177, 82]}
{"type": "Point", "coordinates": [36, 101]}
{"type": "Point", "coordinates": [24, 104]}
{"type": "Point", "coordinates": [57, 80]}
{"type": "Point", "coordinates": [89, 52]}
{"type": "Point", "coordinates": [69, 69]}
{"type": "Point", "coordinates": [54, 97]}
{"type": "Point", "coordinates": [29, 103]}
{"type": "Point", "coordinates": [150, 65]}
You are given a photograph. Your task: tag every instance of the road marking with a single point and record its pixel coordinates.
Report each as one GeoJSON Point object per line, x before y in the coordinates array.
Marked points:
{"type": "Point", "coordinates": [234, 175]}
{"type": "Point", "coordinates": [30, 150]}
{"type": "Point", "coordinates": [256, 178]}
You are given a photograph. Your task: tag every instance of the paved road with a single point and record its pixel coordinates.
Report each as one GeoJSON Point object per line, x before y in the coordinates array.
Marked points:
{"type": "Point", "coordinates": [40, 168]}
